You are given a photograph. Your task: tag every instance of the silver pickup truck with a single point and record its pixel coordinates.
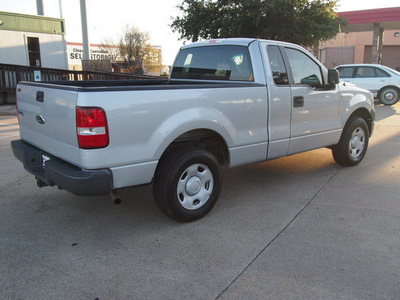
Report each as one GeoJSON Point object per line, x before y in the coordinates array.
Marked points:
{"type": "Point", "coordinates": [227, 102]}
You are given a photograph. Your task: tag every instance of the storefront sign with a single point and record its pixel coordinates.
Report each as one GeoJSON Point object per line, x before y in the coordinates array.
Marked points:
{"type": "Point", "coordinates": [97, 52]}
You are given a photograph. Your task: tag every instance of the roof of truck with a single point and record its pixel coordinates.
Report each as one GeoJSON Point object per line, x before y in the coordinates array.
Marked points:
{"type": "Point", "coordinates": [231, 41]}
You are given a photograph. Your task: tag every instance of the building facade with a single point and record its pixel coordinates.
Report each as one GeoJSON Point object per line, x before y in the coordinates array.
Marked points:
{"type": "Point", "coordinates": [356, 47]}
{"type": "Point", "coordinates": [31, 40]}
{"type": "Point", "coordinates": [371, 36]}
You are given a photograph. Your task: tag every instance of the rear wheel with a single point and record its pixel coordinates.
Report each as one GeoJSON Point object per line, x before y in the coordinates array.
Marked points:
{"type": "Point", "coordinates": [389, 95]}
{"type": "Point", "coordinates": [187, 184]}
{"type": "Point", "coordinates": [353, 143]}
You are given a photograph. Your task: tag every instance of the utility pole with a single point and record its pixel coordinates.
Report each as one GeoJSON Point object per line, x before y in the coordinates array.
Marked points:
{"type": "Point", "coordinates": [85, 37]}
{"type": "Point", "coordinates": [39, 7]}
{"type": "Point", "coordinates": [63, 36]}
{"type": "Point", "coordinates": [377, 44]}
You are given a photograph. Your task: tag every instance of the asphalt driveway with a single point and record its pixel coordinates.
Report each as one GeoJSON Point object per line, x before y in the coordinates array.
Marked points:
{"type": "Point", "coordinates": [300, 227]}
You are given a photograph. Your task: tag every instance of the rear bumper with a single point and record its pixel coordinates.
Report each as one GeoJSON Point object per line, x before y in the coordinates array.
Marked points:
{"type": "Point", "coordinates": [60, 173]}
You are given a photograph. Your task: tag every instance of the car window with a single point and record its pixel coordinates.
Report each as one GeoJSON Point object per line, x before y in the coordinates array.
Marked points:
{"type": "Point", "coordinates": [278, 67]}
{"type": "Point", "coordinates": [346, 72]}
{"type": "Point", "coordinates": [381, 73]}
{"type": "Point", "coordinates": [304, 69]}
{"type": "Point", "coordinates": [390, 70]}
{"type": "Point", "coordinates": [213, 63]}
{"type": "Point", "coordinates": [366, 72]}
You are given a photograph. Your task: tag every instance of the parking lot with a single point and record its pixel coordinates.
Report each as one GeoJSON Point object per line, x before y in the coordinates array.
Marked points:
{"type": "Point", "coordinates": [300, 227]}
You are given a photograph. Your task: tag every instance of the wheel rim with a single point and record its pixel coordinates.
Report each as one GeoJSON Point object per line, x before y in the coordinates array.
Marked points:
{"type": "Point", "coordinates": [357, 143]}
{"type": "Point", "coordinates": [389, 96]}
{"type": "Point", "coordinates": [195, 186]}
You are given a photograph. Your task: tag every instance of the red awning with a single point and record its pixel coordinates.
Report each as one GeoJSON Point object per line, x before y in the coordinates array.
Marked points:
{"type": "Point", "coordinates": [363, 20]}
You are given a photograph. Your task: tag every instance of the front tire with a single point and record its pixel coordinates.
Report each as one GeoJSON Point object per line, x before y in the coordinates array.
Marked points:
{"type": "Point", "coordinates": [187, 184]}
{"type": "Point", "coordinates": [353, 143]}
{"type": "Point", "coordinates": [389, 95]}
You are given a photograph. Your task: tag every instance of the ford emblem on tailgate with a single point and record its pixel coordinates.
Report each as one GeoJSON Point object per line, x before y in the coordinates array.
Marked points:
{"type": "Point", "coordinates": [40, 119]}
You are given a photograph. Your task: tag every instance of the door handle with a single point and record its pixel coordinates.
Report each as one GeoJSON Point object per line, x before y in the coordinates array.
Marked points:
{"type": "Point", "coordinates": [298, 101]}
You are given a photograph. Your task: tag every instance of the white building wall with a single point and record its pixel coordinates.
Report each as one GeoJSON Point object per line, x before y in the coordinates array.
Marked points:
{"type": "Point", "coordinates": [14, 49]}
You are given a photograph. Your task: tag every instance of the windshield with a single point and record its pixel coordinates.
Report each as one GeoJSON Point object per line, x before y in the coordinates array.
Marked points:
{"type": "Point", "coordinates": [213, 63]}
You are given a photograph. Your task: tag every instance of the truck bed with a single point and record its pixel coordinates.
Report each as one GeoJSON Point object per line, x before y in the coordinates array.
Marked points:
{"type": "Point", "coordinates": [124, 85]}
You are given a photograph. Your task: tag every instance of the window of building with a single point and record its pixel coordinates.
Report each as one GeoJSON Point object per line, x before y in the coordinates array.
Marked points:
{"type": "Point", "coordinates": [34, 51]}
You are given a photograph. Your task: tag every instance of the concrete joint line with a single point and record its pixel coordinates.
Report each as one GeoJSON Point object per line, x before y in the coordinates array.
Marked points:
{"type": "Point", "coordinates": [276, 237]}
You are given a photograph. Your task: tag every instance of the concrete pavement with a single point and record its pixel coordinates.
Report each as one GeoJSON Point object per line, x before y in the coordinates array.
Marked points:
{"type": "Point", "coordinates": [298, 227]}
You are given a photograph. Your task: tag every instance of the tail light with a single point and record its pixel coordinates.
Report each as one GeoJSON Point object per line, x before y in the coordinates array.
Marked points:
{"type": "Point", "coordinates": [91, 127]}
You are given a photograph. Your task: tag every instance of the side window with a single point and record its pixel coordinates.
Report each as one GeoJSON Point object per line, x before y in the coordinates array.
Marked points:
{"type": "Point", "coordinates": [381, 73]}
{"type": "Point", "coordinates": [346, 72]}
{"type": "Point", "coordinates": [365, 72]}
{"type": "Point", "coordinates": [278, 68]}
{"type": "Point", "coordinates": [304, 69]}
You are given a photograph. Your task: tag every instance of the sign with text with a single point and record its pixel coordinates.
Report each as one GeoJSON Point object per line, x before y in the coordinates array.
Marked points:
{"type": "Point", "coordinates": [96, 52]}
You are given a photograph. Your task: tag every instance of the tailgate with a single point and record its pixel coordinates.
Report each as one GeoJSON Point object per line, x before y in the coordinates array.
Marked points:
{"type": "Point", "coordinates": [47, 115]}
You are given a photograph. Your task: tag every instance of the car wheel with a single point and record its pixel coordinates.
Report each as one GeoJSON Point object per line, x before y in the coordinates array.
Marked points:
{"type": "Point", "coordinates": [353, 143]}
{"type": "Point", "coordinates": [187, 184]}
{"type": "Point", "coordinates": [389, 95]}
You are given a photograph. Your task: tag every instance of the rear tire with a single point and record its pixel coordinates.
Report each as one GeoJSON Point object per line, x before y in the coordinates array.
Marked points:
{"type": "Point", "coordinates": [353, 143]}
{"type": "Point", "coordinates": [187, 184]}
{"type": "Point", "coordinates": [389, 95]}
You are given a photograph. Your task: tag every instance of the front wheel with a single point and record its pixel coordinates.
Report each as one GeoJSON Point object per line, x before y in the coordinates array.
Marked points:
{"type": "Point", "coordinates": [187, 184]}
{"type": "Point", "coordinates": [353, 143]}
{"type": "Point", "coordinates": [389, 95]}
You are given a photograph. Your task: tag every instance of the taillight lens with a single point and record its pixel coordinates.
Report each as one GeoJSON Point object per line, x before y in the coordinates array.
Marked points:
{"type": "Point", "coordinates": [91, 126]}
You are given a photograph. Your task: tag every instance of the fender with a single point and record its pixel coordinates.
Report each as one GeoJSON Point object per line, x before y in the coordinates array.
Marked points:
{"type": "Point", "coordinates": [191, 119]}
{"type": "Point", "coordinates": [353, 100]}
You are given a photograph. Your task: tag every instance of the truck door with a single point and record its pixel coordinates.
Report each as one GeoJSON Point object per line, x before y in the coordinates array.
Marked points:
{"type": "Point", "coordinates": [279, 95]}
{"type": "Point", "coordinates": [314, 115]}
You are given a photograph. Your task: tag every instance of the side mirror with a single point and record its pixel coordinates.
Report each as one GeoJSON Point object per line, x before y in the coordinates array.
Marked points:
{"type": "Point", "coordinates": [333, 78]}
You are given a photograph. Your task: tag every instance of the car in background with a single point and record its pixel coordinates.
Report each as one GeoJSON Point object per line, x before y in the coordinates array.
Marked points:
{"type": "Point", "coordinates": [383, 82]}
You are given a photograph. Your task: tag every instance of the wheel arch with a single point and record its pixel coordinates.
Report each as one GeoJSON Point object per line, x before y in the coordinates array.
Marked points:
{"type": "Point", "coordinates": [388, 86]}
{"type": "Point", "coordinates": [203, 138]}
{"type": "Point", "coordinates": [363, 113]}
{"type": "Point", "coordinates": [396, 88]}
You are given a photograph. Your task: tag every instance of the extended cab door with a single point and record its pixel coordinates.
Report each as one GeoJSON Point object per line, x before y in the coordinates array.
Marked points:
{"type": "Point", "coordinates": [314, 115]}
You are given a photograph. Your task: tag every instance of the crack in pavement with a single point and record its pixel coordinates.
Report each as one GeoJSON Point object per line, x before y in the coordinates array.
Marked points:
{"type": "Point", "coordinates": [278, 234]}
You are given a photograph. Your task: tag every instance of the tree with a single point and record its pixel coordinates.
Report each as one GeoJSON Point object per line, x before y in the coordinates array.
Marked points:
{"type": "Point", "coordinates": [134, 49]}
{"type": "Point", "coordinates": [304, 22]}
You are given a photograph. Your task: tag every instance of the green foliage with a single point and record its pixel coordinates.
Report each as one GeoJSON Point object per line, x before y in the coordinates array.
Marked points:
{"type": "Point", "coordinates": [304, 22]}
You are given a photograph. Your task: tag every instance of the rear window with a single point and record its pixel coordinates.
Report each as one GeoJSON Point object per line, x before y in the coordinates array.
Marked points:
{"type": "Point", "coordinates": [214, 63]}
